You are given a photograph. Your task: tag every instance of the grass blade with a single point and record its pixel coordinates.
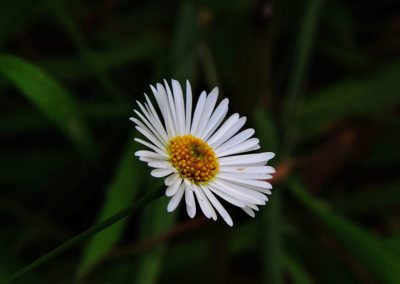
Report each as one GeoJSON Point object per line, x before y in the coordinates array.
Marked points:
{"type": "Point", "coordinates": [119, 195]}
{"type": "Point", "coordinates": [62, 15]}
{"type": "Point", "coordinates": [74, 241]}
{"type": "Point", "coordinates": [296, 271]}
{"type": "Point", "coordinates": [155, 221]}
{"type": "Point", "coordinates": [50, 98]}
{"type": "Point", "coordinates": [368, 249]}
{"type": "Point", "coordinates": [366, 97]}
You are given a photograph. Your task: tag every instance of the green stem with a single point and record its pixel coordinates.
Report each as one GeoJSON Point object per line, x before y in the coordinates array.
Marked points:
{"type": "Point", "coordinates": [152, 195]}
{"type": "Point", "coordinates": [298, 76]}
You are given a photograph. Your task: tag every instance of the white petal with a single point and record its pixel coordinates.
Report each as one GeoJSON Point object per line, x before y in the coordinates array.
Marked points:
{"type": "Point", "coordinates": [229, 123]}
{"type": "Point", "coordinates": [246, 146]}
{"type": "Point", "coordinates": [237, 192]}
{"type": "Point", "coordinates": [156, 120]}
{"type": "Point", "coordinates": [151, 160]}
{"type": "Point", "coordinates": [179, 106]}
{"type": "Point", "coordinates": [205, 205]}
{"type": "Point", "coordinates": [246, 189]}
{"type": "Point", "coordinates": [221, 210]}
{"type": "Point", "coordinates": [226, 196]}
{"type": "Point", "coordinates": [229, 132]}
{"type": "Point", "coordinates": [249, 211]}
{"type": "Point", "coordinates": [245, 175]}
{"type": "Point", "coordinates": [151, 146]}
{"type": "Point", "coordinates": [143, 126]}
{"type": "Point", "coordinates": [151, 137]}
{"type": "Point", "coordinates": [191, 210]}
{"type": "Point", "coordinates": [197, 113]}
{"type": "Point", "coordinates": [163, 104]}
{"type": "Point", "coordinates": [188, 107]}
{"type": "Point", "coordinates": [216, 119]}
{"type": "Point", "coordinates": [171, 179]}
{"type": "Point", "coordinates": [144, 153]}
{"type": "Point", "coordinates": [151, 123]}
{"type": "Point", "coordinates": [208, 109]}
{"type": "Point", "coordinates": [247, 170]}
{"type": "Point", "coordinates": [235, 140]}
{"type": "Point", "coordinates": [172, 109]}
{"type": "Point", "coordinates": [161, 165]}
{"type": "Point", "coordinates": [173, 188]}
{"type": "Point", "coordinates": [174, 201]}
{"type": "Point", "coordinates": [161, 172]}
{"type": "Point", "coordinates": [246, 159]}
{"type": "Point", "coordinates": [189, 198]}
{"type": "Point", "coordinates": [243, 181]}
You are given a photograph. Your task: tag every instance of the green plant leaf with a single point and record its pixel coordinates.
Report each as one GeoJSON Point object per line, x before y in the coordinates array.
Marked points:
{"type": "Point", "coordinates": [50, 98]}
{"type": "Point", "coordinates": [296, 271]}
{"type": "Point", "coordinates": [369, 250]}
{"type": "Point", "coordinates": [120, 194]}
{"type": "Point", "coordinates": [155, 221]}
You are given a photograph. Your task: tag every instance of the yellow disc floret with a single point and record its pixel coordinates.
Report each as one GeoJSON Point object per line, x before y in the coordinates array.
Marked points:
{"type": "Point", "coordinates": [193, 158]}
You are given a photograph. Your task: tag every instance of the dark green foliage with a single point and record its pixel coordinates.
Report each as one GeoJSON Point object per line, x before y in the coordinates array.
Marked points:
{"type": "Point", "coordinates": [318, 80]}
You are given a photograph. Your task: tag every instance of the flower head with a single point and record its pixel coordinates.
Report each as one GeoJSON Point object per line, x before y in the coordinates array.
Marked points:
{"type": "Point", "coordinates": [200, 154]}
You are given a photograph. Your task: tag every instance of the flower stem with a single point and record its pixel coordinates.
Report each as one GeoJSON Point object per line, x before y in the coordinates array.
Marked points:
{"type": "Point", "coordinates": [151, 196]}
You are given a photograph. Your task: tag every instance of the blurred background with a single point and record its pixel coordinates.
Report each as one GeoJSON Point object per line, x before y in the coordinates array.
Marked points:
{"type": "Point", "coordinates": [318, 80]}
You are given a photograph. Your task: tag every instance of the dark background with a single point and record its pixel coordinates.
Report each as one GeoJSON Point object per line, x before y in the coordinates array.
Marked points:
{"type": "Point", "coordinates": [318, 80]}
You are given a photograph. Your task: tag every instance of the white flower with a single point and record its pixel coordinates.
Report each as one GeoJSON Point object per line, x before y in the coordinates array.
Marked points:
{"type": "Point", "coordinates": [201, 156]}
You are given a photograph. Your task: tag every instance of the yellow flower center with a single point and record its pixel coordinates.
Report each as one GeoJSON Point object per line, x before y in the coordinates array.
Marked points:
{"type": "Point", "coordinates": [193, 158]}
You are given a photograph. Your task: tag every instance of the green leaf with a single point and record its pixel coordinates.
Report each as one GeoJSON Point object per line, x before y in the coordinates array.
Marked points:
{"type": "Point", "coordinates": [155, 221]}
{"type": "Point", "coordinates": [120, 194]}
{"type": "Point", "coordinates": [50, 98]}
{"type": "Point", "coordinates": [265, 130]}
{"type": "Point", "coordinates": [297, 272]}
{"type": "Point", "coordinates": [71, 68]}
{"type": "Point", "coordinates": [26, 119]}
{"type": "Point", "coordinates": [393, 243]}
{"type": "Point", "coordinates": [368, 249]}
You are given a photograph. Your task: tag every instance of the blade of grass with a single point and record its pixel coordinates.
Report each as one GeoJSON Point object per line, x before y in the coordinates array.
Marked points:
{"type": "Point", "coordinates": [296, 271]}
{"type": "Point", "coordinates": [272, 254]}
{"type": "Point", "coordinates": [155, 221]}
{"type": "Point", "coordinates": [50, 98]}
{"type": "Point", "coordinates": [62, 15]}
{"type": "Point", "coordinates": [370, 200]}
{"type": "Point", "coordinates": [119, 195]}
{"type": "Point", "coordinates": [367, 97]}
{"type": "Point", "coordinates": [303, 48]}
{"type": "Point", "coordinates": [143, 48]}
{"type": "Point", "coordinates": [76, 240]}
{"type": "Point", "coordinates": [368, 249]}
{"type": "Point", "coordinates": [270, 221]}
{"type": "Point", "coordinates": [27, 119]}
{"type": "Point", "coordinates": [184, 43]}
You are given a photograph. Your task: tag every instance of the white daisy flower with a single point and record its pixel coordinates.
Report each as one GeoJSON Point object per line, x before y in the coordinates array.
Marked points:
{"type": "Point", "coordinates": [200, 155]}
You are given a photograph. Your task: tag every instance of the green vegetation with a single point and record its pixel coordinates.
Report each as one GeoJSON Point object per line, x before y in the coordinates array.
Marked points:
{"type": "Point", "coordinates": [318, 81]}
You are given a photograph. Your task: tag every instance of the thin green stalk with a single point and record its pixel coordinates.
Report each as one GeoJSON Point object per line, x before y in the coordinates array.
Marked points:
{"type": "Point", "coordinates": [152, 195]}
{"type": "Point", "coordinates": [298, 76]}
{"type": "Point", "coordinates": [62, 15]}
{"type": "Point", "coordinates": [272, 222]}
